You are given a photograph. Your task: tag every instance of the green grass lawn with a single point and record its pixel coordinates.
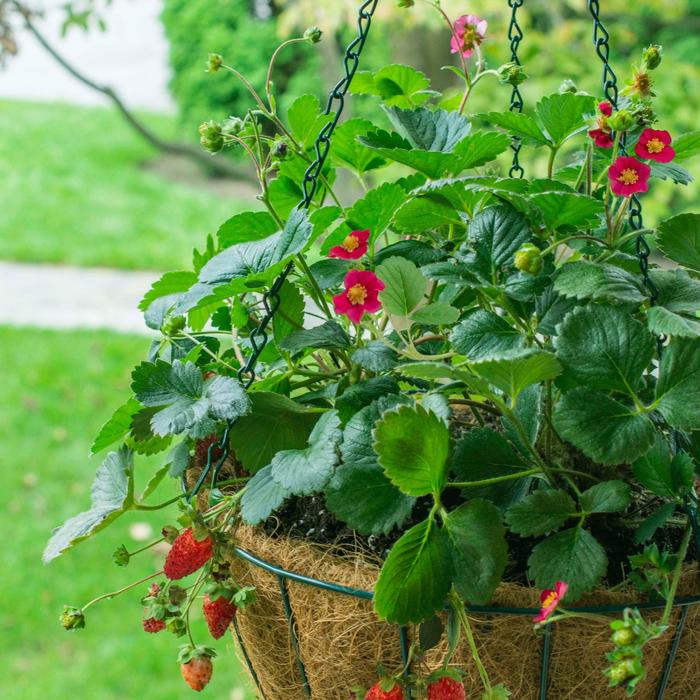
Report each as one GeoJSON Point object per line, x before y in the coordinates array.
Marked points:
{"type": "Point", "coordinates": [75, 190]}
{"type": "Point", "coordinates": [57, 389]}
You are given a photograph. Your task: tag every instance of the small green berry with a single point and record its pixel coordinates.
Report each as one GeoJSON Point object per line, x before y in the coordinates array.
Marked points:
{"type": "Point", "coordinates": [511, 74]}
{"type": "Point", "coordinates": [72, 618]}
{"type": "Point", "coordinates": [622, 120]}
{"type": "Point", "coordinates": [211, 136]}
{"type": "Point", "coordinates": [623, 637]}
{"type": "Point", "coordinates": [313, 35]}
{"type": "Point", "coordinates": [529, 259]}
{"type": "Point", "coordinates": [214, 62]}
{"type": "Point", "coordinates": [652, 56]}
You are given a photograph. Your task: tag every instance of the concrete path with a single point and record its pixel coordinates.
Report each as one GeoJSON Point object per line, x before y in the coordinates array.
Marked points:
{"type": "Point", "coordinates": [53, 296]}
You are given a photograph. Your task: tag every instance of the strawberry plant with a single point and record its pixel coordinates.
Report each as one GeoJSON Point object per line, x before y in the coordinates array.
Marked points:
{"type": "Point", "coordinates": [464, 363]}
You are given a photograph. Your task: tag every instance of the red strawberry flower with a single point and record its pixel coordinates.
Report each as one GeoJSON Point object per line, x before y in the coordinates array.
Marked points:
{"type": "Point", "coordinates": [550, 599]}
{"type": "Point", "coordinates": [469, 32]}
{"type": "Point", "coordinates": [605, 108]}
{"type": "Point", "coordinates": [352, 248]}
{"type": "Point", "coordinates": [628, 176]}
{"type": "Point", "coordinates": [361, 294]}
{"type": "Point", "coordinates": [655, 145]}
{"type": "Point", "coordinates": [601, 138]}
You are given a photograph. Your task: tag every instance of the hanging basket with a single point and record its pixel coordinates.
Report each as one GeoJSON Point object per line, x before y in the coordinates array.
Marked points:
{"type": "Point", "coordinates": [313, 634]}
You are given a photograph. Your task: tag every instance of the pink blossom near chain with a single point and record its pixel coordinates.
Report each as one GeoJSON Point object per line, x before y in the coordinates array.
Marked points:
{"type": "Point", "coordinates": [628, 176]}
{"type": "Point", "coordinates": [470, 31]}
{"type": "Point", "coordinates": [360, 296]}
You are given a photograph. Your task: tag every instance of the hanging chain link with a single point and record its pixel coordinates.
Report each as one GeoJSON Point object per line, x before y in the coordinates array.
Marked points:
{"type": "Point", "coordinates": [601, 40]}
{"type": "Point", "coordinates": [515, 35]}
{"type": "Point", "coordinates": [271, 298]}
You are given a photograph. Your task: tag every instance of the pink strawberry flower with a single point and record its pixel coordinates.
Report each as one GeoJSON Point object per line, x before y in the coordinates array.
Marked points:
{"type": "Point", "coordinates": [655, 145]}
{"type": "Point", "coordinates": [601, 138]}
{"type": "Point", "coordinates": [353, 247]}
{"type": "Point", "coordinates": [470, 31]}
{"type": "Point", "coordinates": [361, 294]}
{"type": "Point", "coordinates": [605, 108]}
{"type": "Point", "coordinates": [628, 176]}
{"type": "Point", "coordinates": [550, 599]}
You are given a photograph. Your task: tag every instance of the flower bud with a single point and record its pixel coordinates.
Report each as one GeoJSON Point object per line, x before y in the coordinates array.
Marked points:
{"type": "Point", "coordinates": [568, 86]}
{"type": "Point", "coordinates": [652, 56]}
{"type": "Point", "coordinates": [511, 74]}
{"type": "Point", "coordinates": [280, 149]}
{"type": "Point", "coordinates": [169, 533]}
{"type": "Point", "coordinates": [622, 120]}
{"type": "Point", "coordinates": [623, 637]}
{"type": "Point", "coordinates": [313, 35]}
{"type": "Point", "coordinates": [121, 556]}
{"type": "Point", "coordinates": [173, 325]}
{"type": "Point", "coordinates": [529, 259]}
{"type": "Point", "coordinates": [211, 136]}
{"type": "Point", "coordinates": [232, 126]}
{"type": "Point", "coordinates": [72, 618]}
{"type": "Point", "coordinates": [214, 62]}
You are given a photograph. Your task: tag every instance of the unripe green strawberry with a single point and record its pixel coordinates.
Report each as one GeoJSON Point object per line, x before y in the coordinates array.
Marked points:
{"type": "Point", "coordinates": [529, 259]}
{"type": "Point", "coordinates": [623, 637]}
{"type": "Point", "coordinates": [72, 618]}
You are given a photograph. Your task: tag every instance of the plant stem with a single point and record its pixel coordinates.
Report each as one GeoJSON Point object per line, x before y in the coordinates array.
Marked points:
{"type": "Point", "coordinates": [682, 551]}
{"type": "Point", "coordinates": [550, 164]}
{"type": "Point", "coordinates": [144, 506]}
{"type": "Point", "coordinates": [493, 479]}
{"type": "Point", "coordinates": [114, 594]}
{"type": "Point", "coordinates": [268, 79]}
{"type": "Point", "coordinates": [458, 607]}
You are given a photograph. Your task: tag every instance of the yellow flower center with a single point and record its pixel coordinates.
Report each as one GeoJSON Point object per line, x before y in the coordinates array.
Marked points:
{"type": "Point", "coordinates": [549, 600]}
{"type": "Point", "coordinates": [655, 145]}
{"type": "Point", "coordinates": [629, 176]}
{"type": "Point", "coordinates": [357, 294]}
{"type": "Point", "coordinates": [350, 243]}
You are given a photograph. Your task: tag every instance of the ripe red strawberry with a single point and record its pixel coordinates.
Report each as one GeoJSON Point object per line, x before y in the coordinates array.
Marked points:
{"type": "Point", "coordinates": [195, 665]}
{"type": "Point", "coordinates": [153, 625]}
{"type": "Point", "coordinates": [377, 692]}
{"type": "Point", "coordinates": [219, 614]}
{"type": "Point", "coordinates": [446, 689]}
{"type": "Point", "coordinates": [187, 555]}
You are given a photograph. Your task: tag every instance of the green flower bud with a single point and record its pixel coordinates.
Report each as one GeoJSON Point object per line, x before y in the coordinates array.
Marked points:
{"type": "Point", "coordinates": [652, 56]}
{"type": "Point", "coordinates": [72, 618]}
{"type": "Point", "coordinates": [313, 35]}
{"type": "Point", "coordinates": [511, 74]}
{"type": "Point", "coordinates": [232, 126]}
{"type": "Point", "coordinates": [529, 259]}
{"type": "Point", "coordinates": [644, 114]}
{"type": "Point", "coordinates": [214, 62]}
{"type": "Point", "coordinates": [121, 555]}
{"type": "Point", "coordinates": [173, 325]}
{"type": "Point", "coordinates": [280, 149]}
{"type": "Point", "coordinates": [623, 637]}
{"type": "Point", "coordinates": [568, 86]}
{"type": "Point", "coordinates": [622, 120]}
{"type": "Point", "coordinates": [624, 670]}
{"type": "Point", "coordinates": [211, 136]}
{"type": "Point", "coordinates": [169, 533]}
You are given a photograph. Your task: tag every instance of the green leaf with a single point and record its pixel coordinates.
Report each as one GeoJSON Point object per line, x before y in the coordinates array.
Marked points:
{"type": "Point", "coordinates": [679, 240]}
{"type": "Point", "coordinates": [412, 445]}
{"type": "Point", "coordinates": [567, 209]}
{"type": "Point", "coordinates": [358, 396]}
{"type": "Point", "coordinates": [274, 423]}
{"type": "Point", "coordinates": [671, 171]}
{"type": "Point", "coordinates": [662, 474]}
{"type": "Point", "coordinates": [416, 576]}
{"type": "Point", "coordinates": [450, 272]}
{"type": "Point", "coordinates": [361, 496]}
{"type": "Point", "coordinates": [424, 214]}
{"type": "Point", "coordinates": [263, 495]}
{"type": "Point", "coordinates": [246, 227]}
{"type": "Point", "coordinates": [483, 334]}
{"type": "Point", "coordinates": [687, 145]}
{"type": "Point", "coordinates": [330, 272]}
{"type": "Point", "coordinates": [179, 459]}
{"type": "Point", "coordinates": [478, 149]}
{"type": "Point", "coordinates": [678, 291]}
{"type": "Point", "coordinates": [405, 286]}
{"type": "Point", "coordinates": [306, 120]}
{"type": "Point", "coordinates": [522, 126]}
{"type": "Point", "coordinates": [289, 316]}
{"type": "Point", "coordinates": [303, 472]}
{"type": "Point", "coordinates": [603, 429]}
{"type": "Point", "coordinates": [663, 322]}
{"type": "Point", "coordinates": [651, 524]}
{"type": "Point", "coordinates": [112, 494]}
{"type": "Point", "coordinates": [573, 556]}
{"type": "Point", "coordinates": [496, 234]}
{"type": "Point", "coordinates": [520, 368]}
{"type": "Point", "coordinates": [479, 550]}
{"type": "Point", "coordinates": [436, 314]}
{"type": "Point", "coordinates": [189, 400]}
{"type": "Point", "coordinates": [678, 387]}
{"type": "Point", "coordinates": [347, 151]}
{"type": "Point", "coordinates": [396, 84]}
{"type": "Point", "coordinates": [563, 114]}
{"type": "Point", "coordinates": [154, 482]}
{"type": "Point", "coordinates": [170, 283]}
{"type": "Point", "coordinates": [142, 439]}
{"type": "Point", "coordinates": [586, 280]}
{"type": "Point", "coordinates": [117, 427]}
{"type": "Point", "coordinates": [375, 356]}
{"type": "Point", "coordinates": [604, 348]}
{"type": "Point", "coordinates": [376, 209]}
{"type": "Point", "coordinates": [541, 512]}
{"type": "Point", "coordinates": [430, 130]}
{"type": "Point", "coordinates": [606, 497]}
{"type": "Point", "coordinates": [328, 335]}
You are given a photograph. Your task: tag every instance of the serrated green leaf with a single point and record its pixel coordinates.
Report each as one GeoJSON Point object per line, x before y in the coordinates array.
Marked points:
{"type": "Point", "coordinates": [330, 272]}
{"type": "Point", "coordinates": [617, 348]}
{"type": "Point", "coordinates": [347, 151]}
{"type": "Point", "coordinates": [111, 495]}
{"type": "Point", "coordinates": [142, 439]}
{"type": "Point", "coordinates": [541, 512]}
{"type": "Point", "coordinates": [169, 284]}
{"type": "Point", "coordinates": [478, 548]}
{"type": "Point", "coordinates": [430, 130]}
{"type": "Point", "coordinates": [563, 114]}
{"type": "Point", "coordinates": [405, 286]}
{"type": "Point", "coordinates": [245, 227]}
{"type": "Point", "coordinates": [652, 523]}
{"type": "Point", "coordinates": [677, 290]}
{"type": "Point", "coordinates": [289, 317]}
{"type": "Point", "coordinates": [678, 387]}
{"type": "Point", "coordinates": [154, 482]}
{"type": "Point", "coordinates": [375, 356]}
{"type": "Point", "coordinates": [586, 280]}
{"type": "Point", "coordinates": [483, 334]}
{"type": "Point", "coordinates": [517, 370]}
{"type": "Point", "coordinates": [306, 120]}
{"type": "Point", "coordinates": [606, 497]}
{"type": "Point", "coordinates": [179, 459]}
{"type": "Point", "coordinates": [424, 214]}
{"type": "Point", "coordinates": [679, 240]}
{"type": "Point", "coordinates": [573, 556]}
{"type": "Point", "coordinates": [436, 314]}
{"type": "Point", "coordinates": [478, 149]}
{"type": "Point", "coordinates": [117, 427]}
{"type": "Point", "coordinates": [666, 475]}
{"type": "Point", "coordinates": [663, 322]}
{"type": "Point", "coordinates": [303, 472]}
{"type": "Point", "coordinates": [416, 577]}
{"type": "Point", "coordinates": [274, 423]}
{"type": "Point", "coordinates": [328, 335]}
{"type": "Point", "coordinates": [397, 85]}
{"type": "Point", "coordinates": [522, 126]}
{"type": "Point", "coordinates": [376, 209]}
{"type": "Point", "coordinates": [263, 495]}
{"type": "Point", "coordinates": [567, 209]}
{"type": "Point", "coordinates": [412, 446]}
{"type": "Point", "coordinates": [687, 145]}
{"type": "Point", "coordinates": [603, 429]}
{"type": "Point", "coordinates": [671, 171]}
